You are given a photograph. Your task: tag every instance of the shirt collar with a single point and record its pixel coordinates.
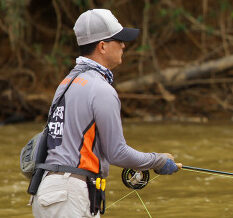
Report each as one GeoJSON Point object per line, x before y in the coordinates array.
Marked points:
{"type": "Point", "coordinates": [96, 66]}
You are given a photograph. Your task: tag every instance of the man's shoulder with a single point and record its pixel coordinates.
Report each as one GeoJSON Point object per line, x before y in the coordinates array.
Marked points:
{"type": "Point", "coordinates": [99, 81]}
{"type": "Point", "coordinates": [103, 86]}
{"type": "Point", "coordinates": [93, 80]}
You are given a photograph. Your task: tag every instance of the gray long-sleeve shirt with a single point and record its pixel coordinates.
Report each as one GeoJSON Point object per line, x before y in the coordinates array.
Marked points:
{"type": "Point", "coordinates": [86, 129]}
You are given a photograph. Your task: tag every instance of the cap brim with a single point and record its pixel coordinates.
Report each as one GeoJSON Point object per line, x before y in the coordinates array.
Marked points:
{"type": "Point", "coordinates": [126, 34]}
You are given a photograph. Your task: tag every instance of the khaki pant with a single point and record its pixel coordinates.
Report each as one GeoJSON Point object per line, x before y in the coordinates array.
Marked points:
{"type": "Point", "coordinates": [62, 196]}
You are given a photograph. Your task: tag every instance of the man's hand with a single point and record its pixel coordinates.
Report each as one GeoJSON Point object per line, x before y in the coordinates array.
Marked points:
{"type": "Point", "coordinates": [170, 156]}
{"type": "Point", "coordinates": [170, 167]}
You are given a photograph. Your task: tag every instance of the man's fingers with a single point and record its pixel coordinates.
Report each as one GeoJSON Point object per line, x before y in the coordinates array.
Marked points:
{"type": "Point", "coordinates": [179, 165]}
{"type": "Point", "coordinates": [169, 156]}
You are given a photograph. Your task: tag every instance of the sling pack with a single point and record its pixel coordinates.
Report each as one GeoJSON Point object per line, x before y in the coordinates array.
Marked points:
{"type": "Point", "coordinates": [32, 165]}
{"type": "Point", "coordinates": [35, 151]}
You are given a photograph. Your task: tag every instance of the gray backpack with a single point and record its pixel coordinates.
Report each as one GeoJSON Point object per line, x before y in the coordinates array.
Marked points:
{"type": "Point", "coordinates": [28, 156]}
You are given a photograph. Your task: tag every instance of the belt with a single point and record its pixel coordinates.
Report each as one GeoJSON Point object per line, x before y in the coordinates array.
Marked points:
{"type": "Point", "coordinates": [83, 178]}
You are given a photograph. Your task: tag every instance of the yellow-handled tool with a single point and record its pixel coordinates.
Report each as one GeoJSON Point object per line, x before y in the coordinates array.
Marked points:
{"type": "Point", "coordinates": [98, 183]}
{"type": "Point", "coordinates": [103, 184]}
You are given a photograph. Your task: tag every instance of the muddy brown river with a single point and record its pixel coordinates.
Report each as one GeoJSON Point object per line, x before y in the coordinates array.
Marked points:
{"type": "Point", "coordinates": [184, 194]}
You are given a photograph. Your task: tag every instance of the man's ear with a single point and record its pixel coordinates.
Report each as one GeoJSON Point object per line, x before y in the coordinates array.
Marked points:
{"type": "Point", "coordinates": [101, 47]}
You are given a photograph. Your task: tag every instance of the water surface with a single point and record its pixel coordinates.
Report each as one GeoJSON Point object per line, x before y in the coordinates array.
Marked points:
{"type": "Point", "coordinates": [185, 194]}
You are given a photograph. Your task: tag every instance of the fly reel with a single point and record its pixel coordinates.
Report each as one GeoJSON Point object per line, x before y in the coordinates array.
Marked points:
{"type": "Point", "coordinates": [135, 179]}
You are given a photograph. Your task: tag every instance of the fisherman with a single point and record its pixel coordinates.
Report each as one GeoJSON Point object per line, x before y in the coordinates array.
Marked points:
{"type": "Point", "coordinates": [85, 130]}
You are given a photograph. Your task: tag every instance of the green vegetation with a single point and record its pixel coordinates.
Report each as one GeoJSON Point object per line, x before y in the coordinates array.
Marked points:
{"type": "Point", "coordinates": [37, 37]}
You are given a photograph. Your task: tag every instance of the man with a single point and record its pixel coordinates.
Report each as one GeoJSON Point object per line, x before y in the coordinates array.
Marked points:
{"type": "Point", "coordinates": [85, 131]}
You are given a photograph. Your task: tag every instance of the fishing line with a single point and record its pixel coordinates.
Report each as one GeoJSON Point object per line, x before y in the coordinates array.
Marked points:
{"type": "Point", "coordinates": [119, 199]}
{"type": "Point", "coordinates": [154, 178]}
{"type": "Point", "coordinates": [130, 194]}
{"type": "Point", "coordinates": [143, 204]}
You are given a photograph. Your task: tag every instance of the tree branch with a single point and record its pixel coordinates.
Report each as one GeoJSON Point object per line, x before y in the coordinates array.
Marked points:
{"type": "Point", "coordinates": [59, 26]}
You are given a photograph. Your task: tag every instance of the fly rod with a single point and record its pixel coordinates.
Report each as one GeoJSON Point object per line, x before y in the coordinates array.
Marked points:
{"type": "Point", "coordinates": [139, 179]}
{"type": "Point", "coordinates": [206, 170]}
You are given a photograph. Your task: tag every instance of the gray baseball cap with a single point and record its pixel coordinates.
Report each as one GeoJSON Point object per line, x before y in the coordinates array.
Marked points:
{"type": "Point", "coordinates": [100, 24]}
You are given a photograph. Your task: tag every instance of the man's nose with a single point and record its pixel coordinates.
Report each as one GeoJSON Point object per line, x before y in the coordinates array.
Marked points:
{"type": "Point", "coordinates": [122, 45]}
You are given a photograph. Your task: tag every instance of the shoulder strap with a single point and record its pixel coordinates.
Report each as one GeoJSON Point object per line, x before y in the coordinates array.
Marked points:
{"type": "Point", "coordinates": [58, 100]}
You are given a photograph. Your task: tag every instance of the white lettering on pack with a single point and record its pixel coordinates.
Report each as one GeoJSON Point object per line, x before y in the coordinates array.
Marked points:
{"type": "Point", "coordinates": [56, 128]}
{"type": "Point", "coordinates": [58, 112]}
{"type": "Point", "coordinates": [56, 125]}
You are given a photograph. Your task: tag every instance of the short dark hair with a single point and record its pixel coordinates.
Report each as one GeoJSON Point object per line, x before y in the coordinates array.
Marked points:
{"type": "Point", "coordinates": [88, 48]}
